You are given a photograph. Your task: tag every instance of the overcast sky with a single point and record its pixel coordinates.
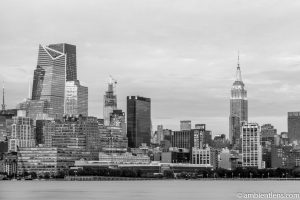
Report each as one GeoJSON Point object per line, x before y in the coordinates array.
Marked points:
{"type": "Point", "coordinates": [181, 54]}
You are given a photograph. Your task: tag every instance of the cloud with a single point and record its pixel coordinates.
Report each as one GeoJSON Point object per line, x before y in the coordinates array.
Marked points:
{"type": "Point", "coordinates": [182, 54]}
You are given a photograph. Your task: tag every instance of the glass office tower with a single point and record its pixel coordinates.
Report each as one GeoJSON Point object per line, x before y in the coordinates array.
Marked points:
{"type": "Point", "coordinates": [49, 80]}
{"type": "Point", "coordinates": [138, 121]}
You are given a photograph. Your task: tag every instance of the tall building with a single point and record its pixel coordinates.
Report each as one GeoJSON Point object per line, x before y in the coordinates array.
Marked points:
{"type": "Point", "coordinates": [138, 121]}
{"type": "Point", "coordinates": [294, 127]}
{"type": "Point", "coordinates": [110, 101]}
{"type": "Point", "coordinates": [71, 63]}
{"type": "Point", "coordinates": [22, 133]}
{"type": "Point", "coordinates": [76, 102]}
{"type": "Point", "coordinates": [238, 107]}
{"type": "Point", "coordinates": [185, 125]}
{"type": "Point", "coordinates": [49, 80]}
{"type": "Point", "coordinates": [251, 147]}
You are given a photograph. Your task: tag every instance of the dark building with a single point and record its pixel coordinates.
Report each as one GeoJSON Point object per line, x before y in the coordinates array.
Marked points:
{"type": "Point", "coordinates": [285, 157]}
{"type": "Point", "coordinates": [187, 139]}
{"type": "Point", "coordinates": [3, 147]}
{"type": "Point", "coordinates": [238, 108]}
{"type": "Point", "coordinates": [268, 134]}
{"type": "Point", "coordinates": [138, 121]}
{"type": "Point", "coordinates": [294, 126]}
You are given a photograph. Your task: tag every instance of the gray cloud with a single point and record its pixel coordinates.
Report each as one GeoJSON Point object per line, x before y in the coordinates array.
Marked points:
{"type": "Point", "coordinates": [182, 54]}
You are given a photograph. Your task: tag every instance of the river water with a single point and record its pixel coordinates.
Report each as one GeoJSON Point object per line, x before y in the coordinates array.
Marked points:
{"type": "Point", "coordinates": [139, 190]}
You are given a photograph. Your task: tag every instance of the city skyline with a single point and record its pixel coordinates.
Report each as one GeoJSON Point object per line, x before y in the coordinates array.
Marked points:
{"type": "Point", "coordinates": [184, 60]}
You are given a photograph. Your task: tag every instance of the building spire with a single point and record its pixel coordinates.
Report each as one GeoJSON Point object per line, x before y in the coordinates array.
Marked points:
{"type": "Point", "coordinates": [3, 100]}
{"type": "Point", "coordinates": [238, 70]}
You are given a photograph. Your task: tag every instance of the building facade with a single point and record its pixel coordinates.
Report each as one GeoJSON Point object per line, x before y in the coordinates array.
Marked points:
{"type": "Point", "coordinates": [49, 80]}
{"type": "Point", "coordinates": [76, 102]}
{"type": "Point", "coordinates": [138, 121]}
{"type": "Point", "coordinates": [22, 133]}
{"type": "Point", "coordinates": [238, 108]}
{"type": "Point", "coordinates": [251, 146]}
{"type": "Point", "coordinates": [185, 125]}
{"type": "Point", "coordinates": [294, 127]}
{"type": "Point", "coordinates": [110, 102]}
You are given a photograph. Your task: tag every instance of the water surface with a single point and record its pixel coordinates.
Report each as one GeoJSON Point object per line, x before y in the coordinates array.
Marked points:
{"type": "Point", "coordinates": [139, 190]}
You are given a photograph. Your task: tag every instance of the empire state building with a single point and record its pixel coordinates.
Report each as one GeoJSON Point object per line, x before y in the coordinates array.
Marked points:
{"type": "Point", "coordinates": [238, 108]}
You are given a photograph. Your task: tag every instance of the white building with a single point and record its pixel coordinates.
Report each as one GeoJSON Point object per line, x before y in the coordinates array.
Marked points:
{"type": "Point", "coordinates": [22, 134]}
{"type": "Point", "coordinates": [251, 147]}
{"type": "Point", "coordinates": [125, 158]}
{"type": "Point", "coordinates": [202, 156]}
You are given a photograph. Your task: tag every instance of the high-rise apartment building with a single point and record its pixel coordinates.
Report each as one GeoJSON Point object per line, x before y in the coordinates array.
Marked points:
{"type": "Point", "coordinates": [251, 147]}
{"type": "Point", "coordinates": [76, 102]}
{"type": "Point", "coordinates": [294, 127]}
{"type": "Point", "coordinates": [110, 101]}
{"type": "Point", "coordinates": [138, 121]}
{"type": "Point", "coordinates": [238, 108]}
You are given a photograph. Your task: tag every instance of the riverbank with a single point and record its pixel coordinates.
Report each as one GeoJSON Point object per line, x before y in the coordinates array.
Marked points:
{"type": "Point", "coordinates": [106, 178]}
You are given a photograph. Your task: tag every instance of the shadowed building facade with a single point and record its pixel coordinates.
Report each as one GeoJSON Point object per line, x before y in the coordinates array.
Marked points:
{"type": "Point", "coordinates": [294, 127]}
{"type": "Point", "coordinates": [138, 121]}
{"type": "Point", "coordinates": [238, 108]}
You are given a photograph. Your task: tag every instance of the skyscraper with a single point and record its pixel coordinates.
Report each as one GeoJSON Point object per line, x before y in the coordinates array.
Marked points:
{"type": "Point", "coordinates": [138, 121]}
{"type": "Point", "coordinates": [76, 102]}
{"type": "Point", "coordinates": [110, 101]}
{"type": "Point", "coordinates": [71, 65]}
{"type": "Point", "coordinates": [56, 65]}
{"type": "Point", "coordinates": [251, 146]}
{"type": "Point", "coordinates": [294, 127]}
{"type": "Point", "coordinates": [49, 80]}
{"type": "Point", "coordinates": [238, 107]}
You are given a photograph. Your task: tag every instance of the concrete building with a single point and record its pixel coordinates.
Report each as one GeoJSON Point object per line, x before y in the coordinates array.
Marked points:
{"type": "Point", "coordinates": [285, 157]}
{"type": "Point", "coordinates": [294, 127]}
{"type": "Point", "coordinates": [228, 159]}
{"type": "Point", "coordinates": [76, 99]}
{"type": "Point", "coordinates": [185, 125]}
{"type": "Point", "coordinates": [42, 160]}
{"type": "Point", "coordinates": [22, 132]}
{"type": "Point", "coordinates": [112, 140]}
{"type": "Point", "coordinates": [176, 155]}
{"type": "Point", "coordinates": [138, 121]}
{"type": "Point", "coordinates": [238, 107]}
{"type": "Point", "coordinates": [124, 158]}
{"type": "Point", "coordinates": [251, 147]}
{"type": "Point", "coordinates": [207, 157]}
{"type": "Point", "coordinates": [117, 119]}
{"type": "Point", "coordinates": [187, 139]}
{"type": "Point", "coordinates": [9, 163]}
